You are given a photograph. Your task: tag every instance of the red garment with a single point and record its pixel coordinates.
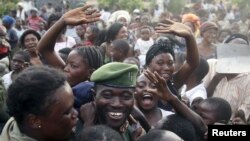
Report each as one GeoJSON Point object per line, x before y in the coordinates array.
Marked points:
{"type": "Point", "coordinates": [34, 22]}
{"type": "Point", "coordinates": [88, 43]}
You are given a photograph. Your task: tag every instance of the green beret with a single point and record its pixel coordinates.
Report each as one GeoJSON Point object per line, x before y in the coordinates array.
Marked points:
{"type": "Point", "coordinates": [116, 74]}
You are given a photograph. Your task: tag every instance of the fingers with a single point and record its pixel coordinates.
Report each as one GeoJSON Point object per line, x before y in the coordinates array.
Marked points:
{"type": "Point", "coordinates": [151, 76]}
{"type": "Point", "coordinates": [160, 79]}
{"type": "Point", "coordinates": [168, 21]}
{"type": "Point", "coordinates": [86, 7]}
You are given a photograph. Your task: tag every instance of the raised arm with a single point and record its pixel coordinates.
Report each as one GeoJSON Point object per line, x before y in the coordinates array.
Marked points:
{"type": "Point", "coordinates": [164, 93]}
{"type": "Point", "coordinates": [192, 57]}
{"type": "Point", "coordinates": [81, 15]}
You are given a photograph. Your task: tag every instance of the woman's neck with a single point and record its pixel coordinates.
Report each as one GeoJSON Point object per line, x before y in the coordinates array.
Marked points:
{"type": "Point", "coordinates": [206, 44]}
{"type": "Point", "coordinates": [153, 115]}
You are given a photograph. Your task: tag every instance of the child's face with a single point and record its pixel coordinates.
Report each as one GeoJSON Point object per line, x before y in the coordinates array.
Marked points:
{"type": "Point", "coordinates": [80, 31]}
{"type": "Point", "coordinates": [207, 113]}
{"type": "Point", "coordinates": [145, 34]}
{"type": "Point", "coordinates": [89, 35]}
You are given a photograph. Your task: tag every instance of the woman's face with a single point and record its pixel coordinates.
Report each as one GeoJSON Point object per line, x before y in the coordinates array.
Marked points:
{"type": "Point", "coordinates": [30, 42]}
{"type": "Point", "coordinates": [89, 35]}
{"type": "Point", "coordinates": [80, 31]}
{"type": "Point", "coordinates": [122, 21]}
{"type": "Point", "coordinates": [163, 64]}
{"type": "Point", "coordinates": [76, 69]}
{"type": "Point", "coordinates": [122, 34]}
{"type": "Point", "coordinates": [145, 101]}
{"type": "Point", "coordinates": [210, 35]}
{"type": "Point", "coordinates": [60, 121]}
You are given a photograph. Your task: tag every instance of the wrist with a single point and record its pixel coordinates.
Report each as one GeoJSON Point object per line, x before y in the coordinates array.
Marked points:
{"type": "Point", "coordinates": [190, 37]}
{"type": "Point", "coordinates": [61, 22]}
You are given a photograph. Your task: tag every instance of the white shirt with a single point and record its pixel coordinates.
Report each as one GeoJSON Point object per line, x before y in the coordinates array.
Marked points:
{"type": "Point", "coordinates": [7, 81]}
{"type": "Point", "coordinates": [143, 46]}
{"type": "Point", "coordinates": [70, 42]}
{"type": "Point", "coordinates": [197, 91]}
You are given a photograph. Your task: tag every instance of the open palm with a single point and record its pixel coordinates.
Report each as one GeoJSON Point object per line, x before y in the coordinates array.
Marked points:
{"type": "Point", "coordinates": [81, 15]}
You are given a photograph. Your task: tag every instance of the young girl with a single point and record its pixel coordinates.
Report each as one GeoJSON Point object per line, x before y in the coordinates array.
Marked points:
{"type": "Point", "coordinates": [143, 44]}
{"type": "Point", "coordinates": [91, 34]}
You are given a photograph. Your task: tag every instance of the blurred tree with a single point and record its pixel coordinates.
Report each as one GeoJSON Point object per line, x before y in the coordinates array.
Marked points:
{"type": "Point", "coordinates": [129, 5]}
{"type": "Point", "coordinates": [242, 3]}
{"type": "Point", "coordinates": [176, 6]}
{"type": "Point", "coordinates": [6, 6]}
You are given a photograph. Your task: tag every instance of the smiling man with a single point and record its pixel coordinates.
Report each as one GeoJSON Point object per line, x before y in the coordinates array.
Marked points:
{"type": "Point", "coordinates": [114, 96]}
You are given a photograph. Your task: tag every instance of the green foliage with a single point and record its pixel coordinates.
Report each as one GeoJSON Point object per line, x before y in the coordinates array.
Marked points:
{"type": "Point", "coordinates": [242, 3]}
{"type": "Point", "coordinates": [6, 6]}
{"type": "Point", "coordinates": [176, 6]}
{"type": "Point", "coordinates": [123, 4]}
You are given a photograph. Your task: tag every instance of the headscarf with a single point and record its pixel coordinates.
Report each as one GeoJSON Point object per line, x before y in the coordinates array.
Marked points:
{"type": "Point", "coordinates": [208, 25]}
{"type": "Point", "coordinates": [162, 45]}
{"type": "Point", "coordinates": [8, 20]}
{"type": "Point", "coordinates": [195, 20]}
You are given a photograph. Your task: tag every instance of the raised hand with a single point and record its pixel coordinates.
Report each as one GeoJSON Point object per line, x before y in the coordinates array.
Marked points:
{"type": "Point", "coordinates": [176, 28]}
{"type": "Point", "coordinates": [81, 15]}
{"type": "Point", "coordinates": [88, 114]}
{"type": "Point", "coordinates": [162, 89]}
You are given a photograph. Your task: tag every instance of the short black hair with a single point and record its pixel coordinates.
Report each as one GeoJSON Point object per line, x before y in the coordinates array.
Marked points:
{"type": "Point", "coordinates": [27, 32]}
{"type": "Point", "coordinates": [121, 45]}
{"type": "Point", "coordinates": [180, 126]}
{"type": "Point", "coordinates": [222, 108]}
{"type": "Point", "coordinates": [24, 54]}
{"type": "Point", "coordinates": [157, 135]}
{"type": "Point", "coordinates": [33, 91]}
{"type": "Point", "coordinates": [52, 18]}
{"type": "Point", "coordinates": [100, 133]}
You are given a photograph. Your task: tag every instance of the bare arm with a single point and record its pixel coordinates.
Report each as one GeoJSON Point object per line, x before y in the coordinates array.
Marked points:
{"type": "Point", "coordinates": [192, 58]}
{"type": "Point", "coordinates": [164, 93]}
{"type": "Point", "coordinates": [81, 15]}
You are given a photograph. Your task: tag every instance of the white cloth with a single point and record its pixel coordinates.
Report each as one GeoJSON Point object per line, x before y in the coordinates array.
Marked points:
{"type": "Point", "coordinates": [70, 42]}
{"type": "Point", "coordinates": [7, 81]}
{"type": "Point", "coordinates": [166, 113]}
{"type": "Point", "coordinates": [105, 16]}
{"type": "Point", "coordinates": [19, 32]}
{"type": "Point", "coordinates": [198, 91]}
{"type": "Point", "coordinates": [11, 132]}
{"type": "Point", "coordinates": [143, 46]}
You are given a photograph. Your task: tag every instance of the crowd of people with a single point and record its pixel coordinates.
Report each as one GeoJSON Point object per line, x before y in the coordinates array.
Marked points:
{"type": "Point", "coordinates": [89, 74]}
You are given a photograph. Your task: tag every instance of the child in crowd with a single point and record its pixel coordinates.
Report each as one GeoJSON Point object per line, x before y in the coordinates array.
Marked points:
{"type": "Point", "coordinates": [143, 44]}
{"type": "Point", "coordinates": [91, 34]}
{"type": "Point", "coordinates": [119, 50]}
{"type": "Point", "coordinates": [214, 110]}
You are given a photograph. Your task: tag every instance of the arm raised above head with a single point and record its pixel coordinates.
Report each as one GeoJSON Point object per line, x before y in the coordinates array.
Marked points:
{"type": "Point", "coordinates": [192, 57]}
{"type": "Point", "coordinates": [81, 15]}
